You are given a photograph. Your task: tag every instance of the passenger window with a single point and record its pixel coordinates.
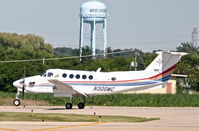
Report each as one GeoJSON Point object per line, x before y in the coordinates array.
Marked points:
{"type": "Point", "coordinates": [113, 79]}
{"type": "Point", "coordinates": [71, 76]}
{"type": "Point", "coordinates": [64, 75]}
{"type": "Point", "coordinates": [90, 77]}
{"type": "Point", "coordinates": [84, 77]}
{"type": "Point", "coordinates": [50, 74]}
{"type": "Point", "coordinates": [77, 76]}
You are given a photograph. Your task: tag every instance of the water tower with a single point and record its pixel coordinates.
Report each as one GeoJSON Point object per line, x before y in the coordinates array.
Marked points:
{"type": "Point", "coordinates": [93, 12]}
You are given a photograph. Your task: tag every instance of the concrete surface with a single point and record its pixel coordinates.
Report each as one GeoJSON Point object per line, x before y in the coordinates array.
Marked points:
{"type": "Point", "coordinates": [171, 118]}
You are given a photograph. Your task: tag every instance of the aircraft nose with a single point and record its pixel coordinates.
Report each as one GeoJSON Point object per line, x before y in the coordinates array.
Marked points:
{"type": "Point", "coordinates": [17, 84]}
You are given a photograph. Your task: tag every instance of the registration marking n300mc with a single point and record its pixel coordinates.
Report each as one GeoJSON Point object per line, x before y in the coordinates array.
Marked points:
{"type": "Point", "coordinates": [104, 88]}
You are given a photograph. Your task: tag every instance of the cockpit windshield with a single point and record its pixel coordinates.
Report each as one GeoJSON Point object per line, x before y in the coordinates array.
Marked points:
{"type": "Point", "coordinates": [43, 74]}
{"type": "Point", "coordinates": [47, 74]}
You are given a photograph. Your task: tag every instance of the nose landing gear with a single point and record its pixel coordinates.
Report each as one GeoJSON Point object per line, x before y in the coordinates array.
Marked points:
{"type": "Point", "coordinates": [16, 101]}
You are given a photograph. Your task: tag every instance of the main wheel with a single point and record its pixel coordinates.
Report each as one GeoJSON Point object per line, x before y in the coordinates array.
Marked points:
{"type": "Point", "coordinates": [69, 106]}
{"type": "Point", "coordinates": [81, 105]}
{"type": "Point", "coordinates": [16, 102]}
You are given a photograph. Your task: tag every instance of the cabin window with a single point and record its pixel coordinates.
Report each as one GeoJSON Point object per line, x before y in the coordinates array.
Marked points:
{"type": "Point", "coordinates": [77, 76]}
{"type": "Point", "coordinates": [84, 77]}
{"type": "Point", "coordinates": [113, 79]}
{"type": "Point", "coordinates": [50, 74]}
{"type": "Point", "coordinates": [71, 76]}
{"type": "Point", "coordinates": [64, 75]}
{"type": "Point", "coordinates": [90, 77]}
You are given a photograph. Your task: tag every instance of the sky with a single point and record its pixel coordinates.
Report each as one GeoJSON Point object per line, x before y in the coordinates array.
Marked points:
{"type": "Point", "coordinates": [143, 24]}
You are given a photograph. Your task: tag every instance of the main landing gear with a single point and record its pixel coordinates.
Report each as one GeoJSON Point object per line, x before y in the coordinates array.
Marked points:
{"type": "Point", "coordinates": [16, 101]}
{"type": "Point", "coordinates": [80, 105]}
{"type": "Point", "coordinates": [69, 105]}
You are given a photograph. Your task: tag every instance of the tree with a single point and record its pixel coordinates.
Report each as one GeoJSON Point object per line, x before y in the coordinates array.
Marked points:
{"type": "Point", "coordinates": [188, 47]}
{"type": "Point", "coordinates": [189, 64]}
{"type": "Point", "coordinates": [109, 51]}
{"type": "Point", "coordinates": [86, 51]}
{"type": "Point", "coordinates": [18, 47]}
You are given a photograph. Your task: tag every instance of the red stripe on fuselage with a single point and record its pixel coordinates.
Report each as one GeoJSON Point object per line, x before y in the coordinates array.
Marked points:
{"type": "Point", "coordinates": [97, 82]}
{"type": "Point", "coordinates": [168, 70]}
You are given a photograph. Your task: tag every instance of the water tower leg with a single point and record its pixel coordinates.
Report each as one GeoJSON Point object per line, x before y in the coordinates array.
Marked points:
{"type": "Point", "coordinates": [93, 38]}
{"type": "Point", "coordinates": [81, 37]}
{"type": "Point", "coordinates": [105, 37]}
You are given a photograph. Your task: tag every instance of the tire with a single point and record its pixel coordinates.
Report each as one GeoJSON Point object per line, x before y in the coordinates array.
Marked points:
{"type": "Point", "coordinates": [69, 106]}
{"type": "Point", "coordinates": [81, 105]}
{"type": "Point", "coordinates": [16, 102]}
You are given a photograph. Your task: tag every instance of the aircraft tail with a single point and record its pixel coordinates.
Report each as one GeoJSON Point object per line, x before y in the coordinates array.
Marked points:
{"type": "Point", "coordinates": [164, 63]}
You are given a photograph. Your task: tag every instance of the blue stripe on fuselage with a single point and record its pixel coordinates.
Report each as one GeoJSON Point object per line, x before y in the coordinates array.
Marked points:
{"type": "Point", "coordinates": [164, 79]}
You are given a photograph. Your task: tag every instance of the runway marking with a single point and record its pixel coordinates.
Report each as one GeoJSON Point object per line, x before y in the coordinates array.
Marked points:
{"type": "Point", "coordinates": [68, 126]}
{"type": "Point", "coordinates": [7, 129]}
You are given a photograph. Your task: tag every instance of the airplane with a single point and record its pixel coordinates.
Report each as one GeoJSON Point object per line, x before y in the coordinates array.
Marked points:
{"type": "Point", "coordinates": [71, 83]}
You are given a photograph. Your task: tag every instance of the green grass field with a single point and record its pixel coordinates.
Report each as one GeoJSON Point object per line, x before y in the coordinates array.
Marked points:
{"type": "Point", "coordinates": [11, 116]}
{"type": "Point", "coordinates": [131, 100]}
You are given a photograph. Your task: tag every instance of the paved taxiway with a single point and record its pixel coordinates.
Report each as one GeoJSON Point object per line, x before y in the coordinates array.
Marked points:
{"type": "Point", "coordinates": [171, 118]}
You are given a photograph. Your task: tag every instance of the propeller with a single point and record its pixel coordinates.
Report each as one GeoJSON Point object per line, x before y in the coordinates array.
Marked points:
{"type": "Point", "coordinates": [23, 88]}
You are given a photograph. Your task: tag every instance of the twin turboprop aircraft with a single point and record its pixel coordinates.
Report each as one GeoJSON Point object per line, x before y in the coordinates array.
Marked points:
{"type": "Point", "coordinates": [70, 83]}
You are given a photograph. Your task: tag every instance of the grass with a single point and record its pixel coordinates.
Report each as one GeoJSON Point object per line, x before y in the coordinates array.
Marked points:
{"type": "Point", "coordinates": [54, 117]}
{"type": "Point", "coordinates": [29, 102]}
{"type": "Point", "coordinates": [131, 100]}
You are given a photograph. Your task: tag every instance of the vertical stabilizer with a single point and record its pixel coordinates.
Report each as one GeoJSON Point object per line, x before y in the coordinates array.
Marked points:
{"type": "Point", "coordinates": [164, 62]}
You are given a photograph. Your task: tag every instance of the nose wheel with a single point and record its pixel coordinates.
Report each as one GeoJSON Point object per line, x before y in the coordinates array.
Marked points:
{"type": "Point", "coordinates": [16, 102]}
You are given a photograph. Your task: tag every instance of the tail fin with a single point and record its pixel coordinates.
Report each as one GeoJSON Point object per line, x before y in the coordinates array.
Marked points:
{"type": "Point", "coordinates": [164, 62]}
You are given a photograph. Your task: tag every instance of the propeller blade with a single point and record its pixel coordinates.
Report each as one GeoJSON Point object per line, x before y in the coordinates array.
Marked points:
{"type": "Point", "coordinates": [23, 88]}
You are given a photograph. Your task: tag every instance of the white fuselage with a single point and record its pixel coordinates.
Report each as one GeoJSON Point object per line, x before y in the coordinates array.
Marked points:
{"type": "Point", "coordinates": [90, 83]}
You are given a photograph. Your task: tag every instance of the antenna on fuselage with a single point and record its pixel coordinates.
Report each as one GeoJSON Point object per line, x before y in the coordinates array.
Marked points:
{"type": "Point", "coordinates": [99, 69]}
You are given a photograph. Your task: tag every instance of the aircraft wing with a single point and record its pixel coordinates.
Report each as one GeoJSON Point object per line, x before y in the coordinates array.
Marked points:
{"type": "Point", "coordinates": [61, 89]}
